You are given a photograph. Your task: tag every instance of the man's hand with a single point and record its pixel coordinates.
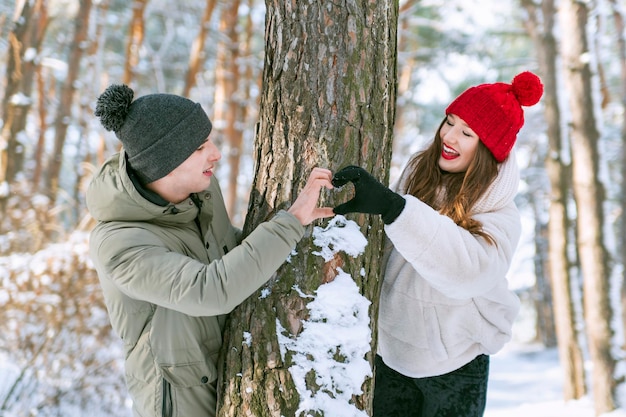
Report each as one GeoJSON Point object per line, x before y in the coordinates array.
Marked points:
{"type": "Point", "coordinates": [305, 207]}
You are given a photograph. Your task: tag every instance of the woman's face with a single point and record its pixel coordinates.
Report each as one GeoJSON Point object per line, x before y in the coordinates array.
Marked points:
{"type": "Point", "coordinates": [459, 145]}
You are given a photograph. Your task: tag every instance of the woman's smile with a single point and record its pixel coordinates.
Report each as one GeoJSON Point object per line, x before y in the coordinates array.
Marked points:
{"type": "Point", "coordinates": [449, 153]}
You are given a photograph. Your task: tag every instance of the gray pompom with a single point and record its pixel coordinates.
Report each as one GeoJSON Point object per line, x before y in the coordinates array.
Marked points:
{"type": "Point", "coordinates": [113, 106]}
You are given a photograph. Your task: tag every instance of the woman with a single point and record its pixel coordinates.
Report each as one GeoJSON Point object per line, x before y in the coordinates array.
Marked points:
{"type": "Point", "coordinates": [445, 306]}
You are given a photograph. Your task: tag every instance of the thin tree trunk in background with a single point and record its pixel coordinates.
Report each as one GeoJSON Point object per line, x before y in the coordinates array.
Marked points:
{"type": "Point", "coordinates": [406, 68]}
{"type": "Point", "coordinates": [589, 197]}
{"type": "Point", "coordinates": [24, 46]}
{"type": "Point", "coordinates": [3, 21]}
{"type": "Point", "coordinates": [42, 115]}
{"type": "Point", "coordinates": [136, 34]}
{"type": "Point", "coordinates": [542, 290]}
{"type": "Point", "coordinates": [197, 55]}
{"type": "Point", "coordinates": [13, 106]}
{"type": "Point", "coordinates": [227, 101]}
{"type": "Point", "coordinates": [247, 107]}
{"type": "Point", "coordinates": [598, 42]}
{"type": "Point", "coordinates": [570, 351]}
{"type": "Point", "coordinates": [31, 61]}
{"type": "Point", "coordinates": [328, 100]}
{"type": "Point", "coordinates": [618, 17]}
{"type": "Point", "coordinates": [83, 155]}
{"type": "Point", "coordinates": [66, 100]}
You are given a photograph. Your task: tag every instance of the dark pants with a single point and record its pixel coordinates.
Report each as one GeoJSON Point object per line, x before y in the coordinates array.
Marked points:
{"type": "Point", "coordinates": [461, 393]}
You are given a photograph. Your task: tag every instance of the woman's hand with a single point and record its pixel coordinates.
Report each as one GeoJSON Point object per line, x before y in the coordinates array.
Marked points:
{"type": "Point", "coordinates": [370, 195]}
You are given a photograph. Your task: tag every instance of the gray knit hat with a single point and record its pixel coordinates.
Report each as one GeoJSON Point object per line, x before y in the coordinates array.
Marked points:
{"type": "Point", "coordinates": [158, 131]}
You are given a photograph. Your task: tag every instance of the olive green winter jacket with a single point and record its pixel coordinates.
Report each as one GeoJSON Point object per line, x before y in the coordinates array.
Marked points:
{"type": "Point", "coordinates": [169, 274]}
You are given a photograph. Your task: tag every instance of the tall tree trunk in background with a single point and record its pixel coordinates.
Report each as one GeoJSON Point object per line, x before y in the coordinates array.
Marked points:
{"type": "Point", "coordinates": [93, 69]}
{"type": "Point", "coordinates": [570, 352]}
{"type": "Point", "coordinates": [66, 100]}
{"type": "Point", "coordinates": [589, 196]}
{"type": "Point", "coordinates": [541, 292]}
{"type": "Point", "coordinates": [136, 34]}
{"type": "Point", "coordinates": [197, 55]}
{"type": "Point", "coordinates": [227, 116]}
{"type": "Point", "coordinates": [24, 46]}
{"type": "Point", "coordinates": [42, 116]}
{"type": "Point", "coordinates": [619, 18]}
{"type": "Point", "coordinates": [407, 66]}
{"type": "Point", "coordinates": [248, 105]}
{"type": "Point", "coordinates": [328, 100]}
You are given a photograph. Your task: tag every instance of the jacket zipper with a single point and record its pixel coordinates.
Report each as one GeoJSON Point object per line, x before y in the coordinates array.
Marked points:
{"type": "Point", "coordinates": [167, 409]}
{"type": "Point", "coordinates": [196, 200]}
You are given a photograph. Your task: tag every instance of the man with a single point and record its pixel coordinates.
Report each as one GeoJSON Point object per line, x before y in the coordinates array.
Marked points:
{"type": "Point", "coordinates": [170, 263]}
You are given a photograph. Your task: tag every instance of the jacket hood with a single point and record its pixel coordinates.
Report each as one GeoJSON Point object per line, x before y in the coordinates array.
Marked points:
{"type": "Point", "coordinates": [503, 189]}
{"type": "Point", "coordinates": [112, 196]}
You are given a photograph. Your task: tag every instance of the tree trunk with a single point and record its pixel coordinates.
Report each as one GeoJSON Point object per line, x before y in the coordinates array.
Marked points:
{"type": "Point", "coordinates": [542, 290]}
{"type": "Point", "coordinates": [328, 100]}
{"type": "Point", "coordinates": [228, 117]}
{"type": "Point", "coordinates": [197, 55]}
{"type": "Point", "coordinates": [247, 108]}
{"type": "Point", "coordinates": [42, 115]}
{"type": "Point", "coordinates": [619, 18]}
{"type": "Point", "coordinates": [407, 66]}
{"type": "Point", "coordinates": [589, 197]}
{"type": "Point", "coordinates": [136, 34]}
{"type": "Point", "coordinates": [93, 70]}
{"type": "Point", "coordinates": [66, 100]}
{"type": "Point", "coordinates": [27, 35]}
{"type": "Point", "coordinates": [570, 352]}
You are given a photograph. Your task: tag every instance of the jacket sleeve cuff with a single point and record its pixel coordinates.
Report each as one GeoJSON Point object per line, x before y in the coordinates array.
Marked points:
{"type": "Point", "coordinates": [291, 222]}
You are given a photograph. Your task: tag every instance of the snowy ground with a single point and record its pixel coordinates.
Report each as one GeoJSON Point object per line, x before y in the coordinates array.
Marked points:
{"type": "Point", "coordinates": [527, 381]}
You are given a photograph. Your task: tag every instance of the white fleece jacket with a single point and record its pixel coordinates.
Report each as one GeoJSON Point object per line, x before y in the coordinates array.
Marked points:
{"type": "Point", "coordinates": [445, 297]}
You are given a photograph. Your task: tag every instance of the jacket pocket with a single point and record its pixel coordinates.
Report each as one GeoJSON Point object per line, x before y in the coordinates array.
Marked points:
{"type": "Point", "coordinates": [188, 375]}
{"type": "Point", "coordinates": [189, 390]}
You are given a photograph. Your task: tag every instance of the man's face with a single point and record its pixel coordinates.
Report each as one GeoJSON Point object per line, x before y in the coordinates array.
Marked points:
{"type": "Point", "coordinates": [194, 174]}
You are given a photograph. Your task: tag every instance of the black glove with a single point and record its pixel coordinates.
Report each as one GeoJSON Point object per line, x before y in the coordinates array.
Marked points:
{"type": "Point", "coordinates": [370, 195]}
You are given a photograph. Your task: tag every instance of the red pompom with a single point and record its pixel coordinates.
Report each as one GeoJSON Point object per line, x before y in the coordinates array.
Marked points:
{"type": "Point", "coordinates": [527, 88]}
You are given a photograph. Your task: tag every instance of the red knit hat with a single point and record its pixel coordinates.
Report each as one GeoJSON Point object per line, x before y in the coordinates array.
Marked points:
{"type": "Point", "coordinates": [494, 111]}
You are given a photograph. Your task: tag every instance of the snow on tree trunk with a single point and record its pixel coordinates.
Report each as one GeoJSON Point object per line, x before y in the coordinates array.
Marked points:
{"type": "Point", "coordinates": [328, 99]}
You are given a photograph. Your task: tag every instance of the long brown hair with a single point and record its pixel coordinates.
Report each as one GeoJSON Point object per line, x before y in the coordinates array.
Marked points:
{"type": "Point", "coordinates": [452, 194]}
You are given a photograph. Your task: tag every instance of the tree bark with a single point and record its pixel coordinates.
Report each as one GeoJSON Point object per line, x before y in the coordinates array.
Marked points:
{"type": "Point", "coordinates": [570, 352]}
{"type": "Point", "coordinates": [589, 196]}
{"type": "Point", "coordinates": [328, 99]}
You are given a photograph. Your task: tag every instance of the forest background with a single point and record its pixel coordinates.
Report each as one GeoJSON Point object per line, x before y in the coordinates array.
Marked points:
{"type": "Point", "coordinates": [57, 56]}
